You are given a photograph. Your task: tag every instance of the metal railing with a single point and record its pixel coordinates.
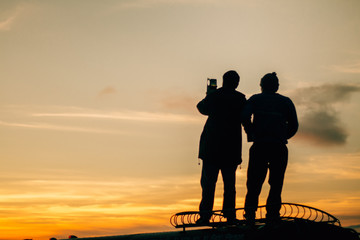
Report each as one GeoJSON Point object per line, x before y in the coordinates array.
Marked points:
{"type": "Point", "coordinates": [288, 211]}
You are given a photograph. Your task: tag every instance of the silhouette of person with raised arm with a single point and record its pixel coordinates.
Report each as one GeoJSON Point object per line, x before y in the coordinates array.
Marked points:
{"type": "Point", "coordinates": [274, 121]}
{"type": "Point", "coordinates": [220, 145]}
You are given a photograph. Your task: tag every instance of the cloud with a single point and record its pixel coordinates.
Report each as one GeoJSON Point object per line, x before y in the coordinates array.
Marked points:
{"type": "Point", "coordinates": [319, 121]}
{"type": "Point", "coordinates": [179, 102]}
{"type": "Point", "coordinates": [107, 91]}
{"type": "Point", "coordinates": [323, 127]}
{"type": "Point", "coordinates": [46, 126]}
{"type": "Point", "coordinates": [131, 4]}
{"type": "Point", "coordinates": [325, 94]}
{"type": "Point", "coordinates": [344, 207]}
{"type": "Point", "coordinates": [121, 205]}
{"type": "Point", "coordinates": [6, 24]}
{"type": "Point", "coordinates": [75, 119]}
{"type": "Point", "coordinates": [349, 68]}
{"type": "Point", "coordinates": [326, 168]}
{"type": "Point", "coordinates": [127, 115]}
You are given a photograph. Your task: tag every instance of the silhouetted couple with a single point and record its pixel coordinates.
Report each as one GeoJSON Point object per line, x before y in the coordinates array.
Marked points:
{"type": "Point", "coordinates": [269, 119]}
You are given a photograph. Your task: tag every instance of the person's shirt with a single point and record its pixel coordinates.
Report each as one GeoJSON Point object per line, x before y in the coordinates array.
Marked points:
{"type": "Point", "coordinates": [274, 118]}
{"type": "Point", "coordinates": [223, 108]}
{"type": "Point", "coordinates": [220, 141]}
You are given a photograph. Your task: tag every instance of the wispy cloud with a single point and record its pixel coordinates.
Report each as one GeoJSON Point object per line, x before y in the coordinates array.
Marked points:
{"type": "Point", "coordinates": [344, 207]}
{"type": "Point", "coordinates": [119, 205]}
{"type": "Point", "coordinates": [53, 118]}
{"type": "Point", "coordinates": [45, 126]}
{"type": "Point", "coordinates": [328, 167]}
{"type": "Point", "coordinates": [320, 122]}
{"type": "Point", "coordinates": [107, 91]}
{"type": "Point", "coordinates": [349, 68]}
{"type": "Point", "coordinates": [7, 23]}
{"type": "Point", "coordinates": [128, 4]}
{"type": "Point", "coordinates": [324, 95]}
{"type": "Point", "coordinates": [177, 101]}
{"type": "Point", "coordinates": [127, 115]}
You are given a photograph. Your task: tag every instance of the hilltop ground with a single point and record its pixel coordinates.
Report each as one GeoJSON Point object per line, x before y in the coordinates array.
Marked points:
{"type": "Point", "coordinates": [289, 230]}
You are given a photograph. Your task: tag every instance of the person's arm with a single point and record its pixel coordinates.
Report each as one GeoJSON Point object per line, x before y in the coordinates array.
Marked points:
{"type": "Point", "coordinates": [202, 106]}
{"type": "Point", "coordinates": [206, 106]}
{"type": "Point", "coordinates": [246, 120]}
{"type": "Point", "coordinates": [292, 121]}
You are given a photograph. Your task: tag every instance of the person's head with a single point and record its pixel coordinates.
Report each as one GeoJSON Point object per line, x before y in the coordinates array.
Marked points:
{"type": "Point", "coordinates": [269, 83]}
{"type": "Point", "coordinates": [231, 79]}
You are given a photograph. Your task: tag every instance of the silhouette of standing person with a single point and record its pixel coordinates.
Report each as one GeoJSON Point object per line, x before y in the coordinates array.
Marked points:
{"type": "Point", "coordinates": [220, 145]}
{"type": "Point", "coordinates": [274, 121]}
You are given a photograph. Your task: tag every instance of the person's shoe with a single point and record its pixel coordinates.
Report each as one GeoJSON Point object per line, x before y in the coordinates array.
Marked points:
{"type": "Point", "coordinates": [233, 221]}
{"type": "Point", "coordinates": [273, 219]}
{"type": "Point", "coordinates": [202, 221]}
{"type": "Point", "coordinates": [250, 218]}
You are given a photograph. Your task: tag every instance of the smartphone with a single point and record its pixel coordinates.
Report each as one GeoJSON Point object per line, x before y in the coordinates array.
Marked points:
{"type": "Point", "coordinates": [211, 85]}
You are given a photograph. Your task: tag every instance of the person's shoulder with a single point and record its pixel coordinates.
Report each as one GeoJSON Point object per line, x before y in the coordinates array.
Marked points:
{"type": "Point", "coordinates": [228, 92]}
{"type": "Point", "coordinates": [239, 94]}
{"type": "Point", "coordinates": [214, 94]}
{"type": "Point", "coordinates": [256, 96]}
{"type": "Point", "coordinates": [284, 98]}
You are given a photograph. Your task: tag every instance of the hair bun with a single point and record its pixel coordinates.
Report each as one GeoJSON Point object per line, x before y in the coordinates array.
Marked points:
{"type": "Point", "coordinates": [274, 73]}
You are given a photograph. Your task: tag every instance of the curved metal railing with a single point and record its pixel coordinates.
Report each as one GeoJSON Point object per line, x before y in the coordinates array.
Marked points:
{"type": "Point", "coordinates": [288, 211]}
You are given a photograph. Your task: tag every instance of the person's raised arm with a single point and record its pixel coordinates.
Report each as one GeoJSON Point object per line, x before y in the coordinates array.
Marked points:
{"type": "Point", "coordinates": [205, 106]}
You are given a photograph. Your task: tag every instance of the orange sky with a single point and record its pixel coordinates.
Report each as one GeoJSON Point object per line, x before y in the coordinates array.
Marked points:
{"type": "Point", "coordinates": [99, 130]}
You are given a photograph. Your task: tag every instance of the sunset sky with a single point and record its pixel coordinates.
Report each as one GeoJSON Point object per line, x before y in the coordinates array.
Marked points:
{"type": "Point", "coordinates": [99, 131]}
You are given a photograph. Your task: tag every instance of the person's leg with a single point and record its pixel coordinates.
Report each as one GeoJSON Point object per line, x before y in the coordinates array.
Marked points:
{"type": "Point", "coordinates": [277, 167]}
{"type": "Point", "coordinates": [229, 178]}
{"type": "Point", "coordinates": [209, 177]}
{"type": "Point", "coordinates": [256, 175]}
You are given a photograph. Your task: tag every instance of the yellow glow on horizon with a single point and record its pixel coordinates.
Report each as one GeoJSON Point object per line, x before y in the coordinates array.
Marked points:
{"type": "Point", "coordinates": [122, 206]}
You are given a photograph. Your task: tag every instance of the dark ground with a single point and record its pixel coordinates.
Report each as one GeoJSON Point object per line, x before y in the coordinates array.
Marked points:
{"type": "Point", "coordinates": [289, 230]}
